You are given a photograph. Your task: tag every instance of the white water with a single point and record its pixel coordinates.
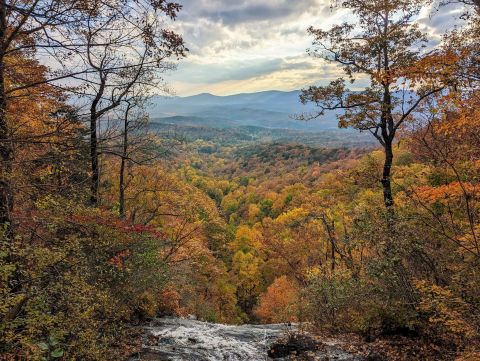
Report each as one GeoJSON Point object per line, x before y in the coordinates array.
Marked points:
{"type": "Point", "coordinates": [185, 340]}
{"type": "Point", "coordinates": [174, 339]}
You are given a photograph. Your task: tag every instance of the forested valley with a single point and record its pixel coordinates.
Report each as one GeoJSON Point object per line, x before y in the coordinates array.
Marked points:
{"type": "Point", "coordinates": [111, 217]}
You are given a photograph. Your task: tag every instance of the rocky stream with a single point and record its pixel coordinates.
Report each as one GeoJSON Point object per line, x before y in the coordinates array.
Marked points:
{"type": "Point", "coordinates": [175, 339]}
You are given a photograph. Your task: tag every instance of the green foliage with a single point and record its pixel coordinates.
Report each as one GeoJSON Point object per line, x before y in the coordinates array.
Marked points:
{"type": "Point", "coordinates": [332, 300]}
{"type": "Point", "coordinates": [81, 285]}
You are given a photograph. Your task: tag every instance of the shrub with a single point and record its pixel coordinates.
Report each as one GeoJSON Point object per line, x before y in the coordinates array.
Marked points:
{"type": "Point", "coordinates": [332, 300]}
{"type": "Point", "coordinates": [446, 315]}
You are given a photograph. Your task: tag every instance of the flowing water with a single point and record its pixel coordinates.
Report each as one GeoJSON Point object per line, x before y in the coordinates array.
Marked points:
{"type": "Point", "coordinates": [174, 339]}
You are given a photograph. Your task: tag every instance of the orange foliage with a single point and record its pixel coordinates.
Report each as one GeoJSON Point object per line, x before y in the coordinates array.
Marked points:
{"type": "Point", "coordinates": [169, 303]}
{"type": "Point", "coordinates": [443, 192]}
{"type": "Point", "coordinates": [119, 259]}
{"type": "Point", "coordinates": [279, 303]}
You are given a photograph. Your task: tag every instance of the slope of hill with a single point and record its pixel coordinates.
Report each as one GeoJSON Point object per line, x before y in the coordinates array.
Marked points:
{"type": "Point", "coordinates": [269, 109]}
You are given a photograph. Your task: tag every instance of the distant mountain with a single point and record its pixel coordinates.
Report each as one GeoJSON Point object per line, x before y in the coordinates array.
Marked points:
{"type": "Point", "coordinates": [268, 109]}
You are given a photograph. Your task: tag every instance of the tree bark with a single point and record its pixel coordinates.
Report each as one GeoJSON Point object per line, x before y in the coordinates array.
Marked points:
{"type": "Point", "coordinates": [94, 180]}
{"type": "Point", "coordinates": [121, 199]}
{"type": "Point", "coordinates": [6, 151]}
{"type": "Point", "coordinates": [123, 161]}
{"type": "Point", "coordinates": [388, 135]}
{"type": "Point", "coordinates": [386, 180]}
{"type": "Point", "coordinates": [94, 116]}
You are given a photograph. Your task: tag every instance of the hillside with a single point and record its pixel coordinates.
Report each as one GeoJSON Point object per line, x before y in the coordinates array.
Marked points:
{"type": "Point", "coordinates": [269, 109]}
{"type": "Point", "coordinates": [193, 128]}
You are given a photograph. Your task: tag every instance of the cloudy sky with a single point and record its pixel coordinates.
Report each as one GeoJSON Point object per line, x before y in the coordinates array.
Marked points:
{"type": "Point", "coordinates": [253, 45]}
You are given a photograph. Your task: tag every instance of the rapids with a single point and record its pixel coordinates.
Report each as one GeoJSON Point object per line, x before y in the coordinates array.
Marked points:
{"type": "Point", "coordinates": [175, 339]}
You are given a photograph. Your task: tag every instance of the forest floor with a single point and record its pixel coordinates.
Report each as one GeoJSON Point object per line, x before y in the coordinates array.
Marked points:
{"type": "Point", "coordinates": [390, 348]}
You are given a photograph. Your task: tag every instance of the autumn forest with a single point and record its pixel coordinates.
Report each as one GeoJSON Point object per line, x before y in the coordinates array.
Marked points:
{"type": "Point", "coordinates": [112, 217]}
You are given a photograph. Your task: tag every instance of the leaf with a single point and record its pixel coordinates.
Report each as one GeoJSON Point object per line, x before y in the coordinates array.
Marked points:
{"type": "Point", "coordinates": [43, 346]}
{"type": "Point", "coordinates": [52, 341]}
{"type": "Point", "coordinates": [57, 353]}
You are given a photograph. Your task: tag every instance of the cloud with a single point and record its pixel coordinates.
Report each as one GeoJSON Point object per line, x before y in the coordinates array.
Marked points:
{"type": "Point", "coordinates": [215, 28]}
{"type": "Point", "coordinates": [215, 72]}
{"type": "Point", "coordinates": [231, 13]}
{"type": "Point", "coordinates": [436, 22]}
{"type": "Point", "coordinates": [245, 41]}
{"type": "Point", "coordinates": [250, 45]}
{"type": "Point", "coordinates": [288, 73]}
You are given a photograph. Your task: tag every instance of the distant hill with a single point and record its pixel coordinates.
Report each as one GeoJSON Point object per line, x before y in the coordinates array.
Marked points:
{"type": "Point", "coordinates": [194, 128]}
{"type": "Point", "coordinates": [269, 109]}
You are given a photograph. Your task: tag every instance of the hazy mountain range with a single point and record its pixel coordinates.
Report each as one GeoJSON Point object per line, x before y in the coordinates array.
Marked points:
{"type": "Point", "coordinates": [268, 109]}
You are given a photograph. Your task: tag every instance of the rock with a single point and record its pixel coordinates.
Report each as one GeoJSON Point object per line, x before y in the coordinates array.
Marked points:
{"type": "Point", "coordinates": [166, 340]}
{"type": "Point", "coordinates": [295, 344]}
{"type": "Point", "coordinates": [151, 340]}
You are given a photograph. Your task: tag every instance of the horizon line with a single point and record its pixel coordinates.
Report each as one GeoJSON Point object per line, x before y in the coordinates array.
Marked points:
{"type": "Point", "coordinates": [228, 95]}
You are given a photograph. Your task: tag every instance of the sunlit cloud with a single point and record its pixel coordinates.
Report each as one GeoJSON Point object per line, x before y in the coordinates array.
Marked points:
{"type": "Point", "coordinates": [249, 46]}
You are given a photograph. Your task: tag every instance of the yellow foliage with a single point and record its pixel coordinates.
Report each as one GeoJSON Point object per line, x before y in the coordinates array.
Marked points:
{"type": "Point", "coordinates": [147, 305]}
{"type": "Point", "coordinates": [253, 212]}
{"type": "Point", "coordinates": [291, 217]}
{"type": "Point", "coordinates": [445, 310]}
{"type": "Point", "coordinates": [246, 239]}
{"type": "Point", "coordinates": [246, 268]}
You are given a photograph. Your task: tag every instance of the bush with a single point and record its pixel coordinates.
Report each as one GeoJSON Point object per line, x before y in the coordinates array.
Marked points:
{"type": "Point", "coordinates": [147, 305]}
{"type": "Point", "coordinates": [77, 285]}
{"type": "Point", "coordinates": [169, 303]}
{"type": "Point", "coordinates": [333, 301]}
{"type": "Point", "coordinates": [446, 316]}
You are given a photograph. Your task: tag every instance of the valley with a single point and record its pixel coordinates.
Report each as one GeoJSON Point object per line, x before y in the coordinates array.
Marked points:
{"type": "Point", "coordinates": [239, 180]}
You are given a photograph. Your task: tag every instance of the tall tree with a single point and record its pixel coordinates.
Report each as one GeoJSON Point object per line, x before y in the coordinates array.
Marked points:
{"type": "Point", "coordinates": [55, 29]}
{"type": "Point", "coordinates": [127, 48]}
{"type": "Point", "coordinates": [134, 143]}
{"type": "Point", "coordinates": [381, 47]}
{"type": "Point", "coordinates": [27, 27]}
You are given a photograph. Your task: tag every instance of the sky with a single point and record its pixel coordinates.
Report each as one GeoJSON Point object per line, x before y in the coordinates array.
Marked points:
{"type": "Point", "coordinates": [244, 46]}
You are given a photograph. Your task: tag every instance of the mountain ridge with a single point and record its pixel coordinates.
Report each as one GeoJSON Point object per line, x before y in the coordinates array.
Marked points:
{"type": "Point", "coordinates": [269, 109]}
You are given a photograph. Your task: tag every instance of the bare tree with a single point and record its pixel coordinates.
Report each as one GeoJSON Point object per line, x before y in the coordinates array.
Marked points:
{"type": "Point", "coordinates": [135, 120]}
{"type": "Point", "coordinates": [139, 145]}
{"type": "Point", "coordinates": [62, 31]}
{"type": "Point", "coordinates": [126, 49]}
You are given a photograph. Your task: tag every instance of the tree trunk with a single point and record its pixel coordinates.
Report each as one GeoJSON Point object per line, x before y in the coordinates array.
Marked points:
{"type": "Point", "coordinates": [121, 199]}
{"type": "Point", "coordinates": [388, 135]}
{"type": "Point", "coordinates": [94, 116]}
{"type": "Point", "coordinates": [332, 237]}
{"type": "Point", "coordinates": [386, 181]}
{"type": "Point", "coordinates": [94, 180]}
{"type": "Point", "coordinates": [6, 151]}
{"type": "Point", "coordinates": [123, 162]}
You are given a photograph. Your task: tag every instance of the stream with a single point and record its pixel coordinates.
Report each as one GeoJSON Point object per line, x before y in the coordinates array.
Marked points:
{"type": "Point", "coordinates": [175, 339]}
